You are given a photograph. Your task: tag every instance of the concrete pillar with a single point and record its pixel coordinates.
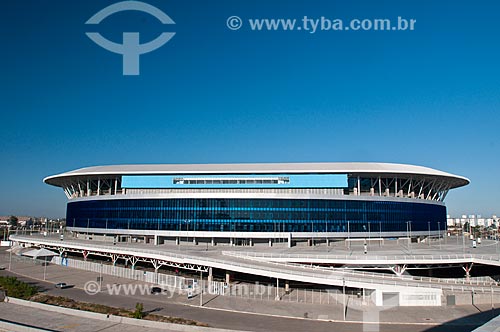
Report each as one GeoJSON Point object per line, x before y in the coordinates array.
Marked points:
{"type": "Point", "coordinates": [377, 298]}
{"type": "Point", "coordinates": [250, 242]}
{"type": "Point", "coordinates": [177, 241]}
{"type": "Point", "coordinates": [327, 242]}
{"type": "Point", "coordinates": [277, 298]}
{"type": "Point", "coordinates": [156, 240]}
{"type": "Point", "coordinates": [210, 275]}
{"type": "Point", "coordinates": [289, 240]}
{"type": "Point", "coordinates": [228, 277]}
{"type": "Point", "coordinates": [287, 286]}
{"type": "Point", "coordinates": [213, 242]}
{"type": "Point", "coordinates": [270, 242]}
{"type": "Point", "coordinates": [195, 242]}
{"type": "Point", "coordinates": [231, 242]}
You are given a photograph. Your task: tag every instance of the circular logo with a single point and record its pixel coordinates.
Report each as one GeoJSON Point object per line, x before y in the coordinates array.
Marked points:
{"type": "Point", "coordinates": [91, 288]}
{"type": "Point", "coordinates": [234, 22]}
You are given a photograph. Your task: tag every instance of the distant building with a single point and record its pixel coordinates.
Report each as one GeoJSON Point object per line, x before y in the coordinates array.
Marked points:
{"type": "Point", "coordinates": [21, 220]}
{"type": "Point", "coordinates": [473, 220]}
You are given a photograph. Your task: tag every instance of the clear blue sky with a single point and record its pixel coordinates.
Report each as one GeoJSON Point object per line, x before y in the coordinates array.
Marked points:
{"type": "Point", "coordinates": [211, 95]}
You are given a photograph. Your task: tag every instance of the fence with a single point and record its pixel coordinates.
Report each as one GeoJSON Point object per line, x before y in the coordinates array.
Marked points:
{"type": "Point", "coordinates": [172, 281]}
{"type": "Point", "coordinates": [242, 290]}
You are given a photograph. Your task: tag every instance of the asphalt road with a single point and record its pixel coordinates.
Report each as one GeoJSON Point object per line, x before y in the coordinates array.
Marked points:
{"type": "Point", "coordinates": [232, 320]}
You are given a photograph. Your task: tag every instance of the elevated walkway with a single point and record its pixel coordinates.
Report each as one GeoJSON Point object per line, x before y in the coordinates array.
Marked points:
{"type": "Point", "coordinates": [411, 291]}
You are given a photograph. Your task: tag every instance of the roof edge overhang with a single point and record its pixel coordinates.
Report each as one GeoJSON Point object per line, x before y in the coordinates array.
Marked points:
{"type": "Point", "coordinates": [390, 169]}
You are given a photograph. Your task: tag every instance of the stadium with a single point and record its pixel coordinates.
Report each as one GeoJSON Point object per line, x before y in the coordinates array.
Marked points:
{"type": "Point", "coordinates": [248, 203]}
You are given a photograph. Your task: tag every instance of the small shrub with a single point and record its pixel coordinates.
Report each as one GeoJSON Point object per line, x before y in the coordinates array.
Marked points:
{"type": "Point", "coordinates": [139, 311]}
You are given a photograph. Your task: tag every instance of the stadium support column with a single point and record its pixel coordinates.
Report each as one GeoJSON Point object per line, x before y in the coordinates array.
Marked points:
{"type": "Point", "coordinates": [156, 240]}
{"type": "Point", "coordinates": [213, 242]}
{"type": "Point", "coordinates": [177, 242]}
{"type": "Point", "coordinates": [467, 268]}
{"type": "Point", "coordinates": [228, 277]}
{"type": "Point", "coordinates": [270, 242]}
{"type": "Point", "coordinates": [289, 240]}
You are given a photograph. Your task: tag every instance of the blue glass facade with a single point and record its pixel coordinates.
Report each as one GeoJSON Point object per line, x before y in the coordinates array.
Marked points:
{"type": "Point", "coordinates": [256, 215]}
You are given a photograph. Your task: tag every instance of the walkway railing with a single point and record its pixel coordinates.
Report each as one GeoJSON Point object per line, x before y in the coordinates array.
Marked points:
{"type": "Point", "coordinates": [291, 272]}
{"type": "Point", "coordinates": [350, 258]}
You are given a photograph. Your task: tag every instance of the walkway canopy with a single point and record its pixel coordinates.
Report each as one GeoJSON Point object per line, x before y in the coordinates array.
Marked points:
{"type": "Point", "coordinates": [35, 253]}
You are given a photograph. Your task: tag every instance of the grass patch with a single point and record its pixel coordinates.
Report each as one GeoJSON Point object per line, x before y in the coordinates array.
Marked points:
{"type": "Point", "coordinates": [16, 288]}
{"type": "Point", "coordinates": [19, 289]}
{"type": "Point", "coordinates": [107, 310]}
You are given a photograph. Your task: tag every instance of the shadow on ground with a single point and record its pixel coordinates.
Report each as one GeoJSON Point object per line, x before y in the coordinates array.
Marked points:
{"type": "Point", "coordinates": [467, 323]}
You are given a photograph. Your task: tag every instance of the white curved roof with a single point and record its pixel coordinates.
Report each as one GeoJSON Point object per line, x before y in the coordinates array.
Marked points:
{"type": "Point", "coordinates": [265, 168]}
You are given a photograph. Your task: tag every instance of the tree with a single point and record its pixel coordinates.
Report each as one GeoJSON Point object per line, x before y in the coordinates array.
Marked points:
{"type": "Point", "coordinates": [13, 221]}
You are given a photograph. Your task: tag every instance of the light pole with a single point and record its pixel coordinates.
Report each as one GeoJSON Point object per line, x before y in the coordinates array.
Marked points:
{"type": "Point", "coordinates": [100, 277]}
{"type": "Point", "coordinates": [312, 233]}
{"type": "Point", "coordinates": [348, 235]}
{"type": "Point", "coordinates": [408, 234]}
{"type": "Point", "coordinates": [129, 236]}
{"type": "Point", "coordinates": [201, 288]}
{"type": "Point", "coordinates": [10, 256]}
{"type": "Point", "coordinates": [439, 232]}
{"type": "Point", "coordinates": [496, 246]}
{"type": "Point", "coordinates": [463, 240]}
{"type": "Point", "coordinates": [44, 267]}
{"type": "Point", "coordinates": [429, 234]}
{"type": "Point", "coordinates": [187, 229]}
{"type": "Point", "coordinates": [369, 233]}
{"type": "Point", "coordinates": [380, 232]}
{"type": "Point", "coordinates": [343, 297]}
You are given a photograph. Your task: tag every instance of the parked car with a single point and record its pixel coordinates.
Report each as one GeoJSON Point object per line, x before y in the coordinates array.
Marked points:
{"type": "Point", "coordinates": [156, 290]}
{"type": "Point", "coordinates": [61, 285]}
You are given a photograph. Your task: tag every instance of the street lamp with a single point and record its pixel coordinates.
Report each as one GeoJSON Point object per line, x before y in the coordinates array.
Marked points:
{"type": "Point", "coordinates": [429, 233]}
{"type": "Point", "coordinates": [187, 221]}
{"type": "Point", "coordinates": [439, 231]}
{"type": "Point", "coordinates": [44, 267]}
{"type": "Point", "coordinates": [408, 234]}
{"type": "Point", "coordinates": [201, 288]}
{"type": "Point", "coordinates": [312, 233]}
{"type": "Point", "coordinates": [343, 296]}
{"type": "Point", "coordinates": [10, 256]}
{"type": "Point", "coordinates": [380, 231]}
{"type": "Point", "coordinates": [369, 233]}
